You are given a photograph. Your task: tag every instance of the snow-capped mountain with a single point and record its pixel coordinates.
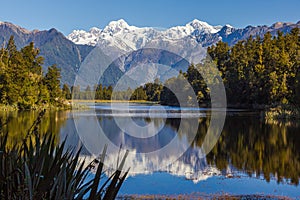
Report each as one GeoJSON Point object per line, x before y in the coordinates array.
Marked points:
{"type": "Point", "coordinates": [125, 37]}
{"type": "Point", "coordinates": [120, 35]}
{"type": "Point", "coordinates": [83, 37]}
{"type": "Point", "coordinates": [119, 40]}
{"type": "Point", "coordinates": [159, 53]}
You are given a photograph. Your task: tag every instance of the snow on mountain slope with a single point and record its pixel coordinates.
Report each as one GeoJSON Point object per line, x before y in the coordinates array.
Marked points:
{"type": "Point", "coordinates": [118, 40]}
{"type": "Point", "coordinates": [84, 37]}
{"type": "Point", "coordinates": [119, 34]}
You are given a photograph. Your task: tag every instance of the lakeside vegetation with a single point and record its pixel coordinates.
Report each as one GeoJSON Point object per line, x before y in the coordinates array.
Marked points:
{"type": "Point", "coordinates": [39, 168]}
{"type": "Point", "coordinates": [23, 85]}
{"type": "Point", "coordinates": [112, 101]}
{"type": "Point", "coordinates": [258, 73]}
{"type": "Point", "coordinates": [261, 71]}
{"type": "Point", "coordinates": [251, 146]}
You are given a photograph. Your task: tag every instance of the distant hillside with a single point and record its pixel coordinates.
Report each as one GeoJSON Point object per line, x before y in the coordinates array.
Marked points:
{"type": "Point", "coordinates": [53, 45]}
{"type": "Point", "coordinates": [123, 44]}
{"type": "Point", "coordinates": [119, 35]}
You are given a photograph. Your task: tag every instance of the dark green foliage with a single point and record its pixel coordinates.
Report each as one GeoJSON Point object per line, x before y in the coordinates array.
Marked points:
{"type": "Point", "coordinates": [257, 71]}
{"type": "Point", "coordinates": [260, 71]}
{"type": "Point", "coordinates": [149, 92]}
{"type": "Point", "coordinates": [139, 94]}
{"type": "Point", "coordinates": [40, 169]}
{"type": "Point", "coordinates": [99, 92]}
{"type": "Point", "coordinates": [255, 147]}
{"type": "Point", "coordinates": [168, 97]}
{"type": "Point", "coordinates": [52, 81]}
{"type": "Point", "coordinates": [153, 90]}
{"type": "Point", "coordinates": [22, 82]}
{"type": "Point", "coordinates": [66, 92]}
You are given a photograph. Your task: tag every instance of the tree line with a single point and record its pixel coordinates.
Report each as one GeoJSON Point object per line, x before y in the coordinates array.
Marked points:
{"type": "Point", "coordinates": [260, 71]}
{"type": "Point", "coordinates": [100, 92]}
{"type": "Point", "coordinates": [255, 72]}
{"type": "Point", "coordinates": [23, 84]}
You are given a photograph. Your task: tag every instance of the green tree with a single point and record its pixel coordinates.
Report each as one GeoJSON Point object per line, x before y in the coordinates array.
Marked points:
{"type": "Point", "coordinates": [52, 81]}
{"type": "Point", "coordinates": [75, 91]}
{"type": "Point", "coordinates": [66, 92]}
{"type": "Point", "coordinates": [260, 71]}
{"type": "Point", "coordinates": [15, 74]}
{"type": "Point", "coordinates": [22, 82]}
{"type": "Point", "coordinates": [153, 90]}
{"type": "Point", "coordinates": [99, 92]}
{"type": "Point", "coordinates": [139, 94]}
{"type": "Point", "coordinates": [21, 75]}
{"type": "Point", "coordinates": [220, 54]}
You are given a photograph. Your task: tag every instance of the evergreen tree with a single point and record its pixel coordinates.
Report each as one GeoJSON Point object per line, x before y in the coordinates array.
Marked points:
{"type": "Point", "coordinates": [52, 81]}
{"type": "Point", "coordinates": [139, 94]}
{"type": "Point", "coordinates": [261, 71]}
{"type": "Point", "coordinates": [66, 92]}
{"type": "Point", "coordinates": [99, 92]}
{"type": "Point", "coordinates": [22, 83]}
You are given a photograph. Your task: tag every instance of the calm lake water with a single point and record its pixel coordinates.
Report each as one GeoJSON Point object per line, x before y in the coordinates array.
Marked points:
{"type": "Point", "coordinates": [251, 156]}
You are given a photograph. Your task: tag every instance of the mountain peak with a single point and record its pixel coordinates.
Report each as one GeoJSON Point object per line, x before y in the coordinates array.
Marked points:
{"type": "Point", "coordinates": [277, 25]}
{"type": "Point", "coordinates": [120, 22]}
{"type": "Point", "coordinates": [226, 30]}
{"type": "Point", "coordinates": [14, 27]}
{"type": "Point", "coordinates": [118, 34]}
{"type": "Point", "coordinates": [116, 26]}
{"type": "Point", "coordinates": [197, 22]}
{"type": "Point", "coordinates": [203, 26]}
{"type": "Point", "coordinates": [228, 26]}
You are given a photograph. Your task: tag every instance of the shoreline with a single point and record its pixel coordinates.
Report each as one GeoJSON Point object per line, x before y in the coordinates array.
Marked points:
{"type": "Point", "coordinates": [111, 101]}
{"type": "Point", "coordinates": [268, 112]}
{"type": "Point", "coordinates": [202, 196]}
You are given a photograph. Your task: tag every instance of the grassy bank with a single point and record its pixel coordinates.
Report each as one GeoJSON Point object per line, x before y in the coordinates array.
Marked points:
{"type": "Point", "coordinates": [282, 112]}
{"type": "Point", "coordinates": [37, 107]}
{"type": "Point", "coordinates": [112, 101]}
{"type": "Point", "coordinates": [65, 105]}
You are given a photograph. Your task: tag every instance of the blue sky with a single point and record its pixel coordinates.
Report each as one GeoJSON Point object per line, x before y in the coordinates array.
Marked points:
{"type": "Point", "coordinates": [66, 15]}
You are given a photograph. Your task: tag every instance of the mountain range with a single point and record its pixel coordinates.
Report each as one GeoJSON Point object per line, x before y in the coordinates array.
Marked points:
{"type": "Point", "coordinates": [124, 45]}
{"type": "Point", "coordinates": [53, 45]}
{"type": "Point", "coordinates": [134, 38]}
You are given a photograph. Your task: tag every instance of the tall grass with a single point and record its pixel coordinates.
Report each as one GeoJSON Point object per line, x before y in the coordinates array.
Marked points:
{"type": "Point", "coordinates": [40, 169]}
{"type": "Point", "coordinates": [283, 112]}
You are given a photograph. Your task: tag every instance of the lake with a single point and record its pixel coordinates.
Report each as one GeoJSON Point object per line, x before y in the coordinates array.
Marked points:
{"type": "Point", "coordinates": [166, 154]}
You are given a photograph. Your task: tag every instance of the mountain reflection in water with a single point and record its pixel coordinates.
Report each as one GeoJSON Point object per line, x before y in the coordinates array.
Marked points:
{"type": "Point", "coordinates": [250, 156]}
{"type": "Point", "coordinates": [247, 146]}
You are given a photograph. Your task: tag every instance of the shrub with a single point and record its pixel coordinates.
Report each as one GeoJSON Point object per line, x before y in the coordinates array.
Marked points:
{"type": "Point", "coordinates": [40, 169]}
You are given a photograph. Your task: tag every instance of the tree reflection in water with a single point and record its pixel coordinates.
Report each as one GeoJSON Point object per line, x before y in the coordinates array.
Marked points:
{"type": "Point", "coordinates": [19, 122]}
{"type": "Point", "coordinates": [247, 144]}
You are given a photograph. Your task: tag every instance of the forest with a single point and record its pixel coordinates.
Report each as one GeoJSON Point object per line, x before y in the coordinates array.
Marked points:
{"type": "Point", "coordinates": [23, 85]}
{"type": "Point", "coordinates": [260, 71]}
{"type": "Point", "coordinates": [256, 72]}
